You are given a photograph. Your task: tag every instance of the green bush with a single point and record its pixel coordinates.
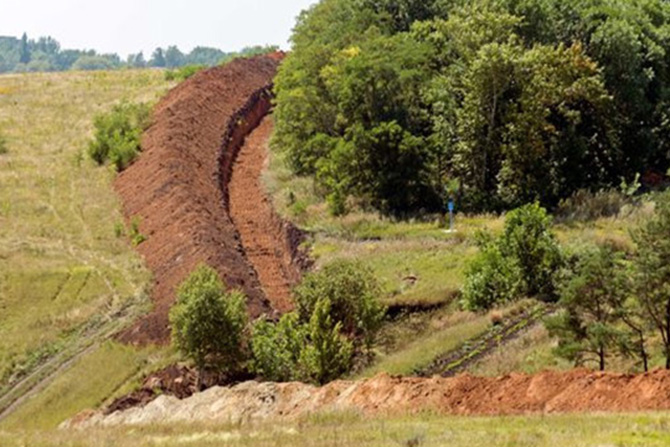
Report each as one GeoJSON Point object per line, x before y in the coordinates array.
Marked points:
{"type": "Point", "coordinates": [490, 279]}
{"type": "Point", "coordinates": [528, 242]}
{"type": "Point", "coordinates": [337, 312]}
{"type": "Point", "coordinates": [315, 351]}
{"type": "Point", "coordinates": [329, 354]}
{"type": "Point", "coordinates": [183, 73]}
{"type": "Point", "coordinates": [353, 292]}
{"type": "Point", "coordinates": [118, 133]}
{"type": "Point", "coordinates": [276, 348]}
{"type": "Point", "coordinates": [523, 261]}
{"type": "Point", "coordinates": [208, 324]}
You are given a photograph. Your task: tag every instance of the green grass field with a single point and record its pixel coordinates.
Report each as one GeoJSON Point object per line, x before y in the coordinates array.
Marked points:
{"type": "Point", "coordinates": [67, 280]}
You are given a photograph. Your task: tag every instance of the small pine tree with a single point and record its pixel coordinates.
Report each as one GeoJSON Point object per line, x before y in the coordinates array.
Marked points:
{"type": "Point", "coordinates": [589, 326]}
{"type": "Point", "coordinates": [329, 355]}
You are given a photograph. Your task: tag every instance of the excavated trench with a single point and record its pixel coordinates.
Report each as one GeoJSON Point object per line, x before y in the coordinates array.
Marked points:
{"type": "Point", "coordinates": [192, 205]}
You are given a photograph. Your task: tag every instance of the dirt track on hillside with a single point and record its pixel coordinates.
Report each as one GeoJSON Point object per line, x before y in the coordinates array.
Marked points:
{"type": "Point", "coordinates": [548, 392]}
{"type": "Point", "coordinates": [178, 188]}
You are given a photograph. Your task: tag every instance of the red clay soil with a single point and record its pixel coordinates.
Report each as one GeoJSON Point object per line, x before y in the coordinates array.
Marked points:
{"type": "Point", "coordinates": [178, 188]}
{"type": "Point", "coordinates": [574, 391]}
{"type": "Point", "coordinates": [261, 229]}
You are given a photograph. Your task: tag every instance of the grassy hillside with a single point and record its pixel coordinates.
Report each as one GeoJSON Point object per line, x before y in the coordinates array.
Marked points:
{"type": "Point", "coordinates": [67, 278]}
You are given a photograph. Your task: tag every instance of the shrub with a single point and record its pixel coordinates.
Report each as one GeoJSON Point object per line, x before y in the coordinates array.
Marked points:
{"type": "Point", "coordinates": [208, 323]}
{"type": "Point", "coordinates": [490, 279]}
{"type": "Point", "coordinates": [528, 242]}
{"type": "Point", "coordinates": [136, 237]}
{"type": "Point", "coordinates": [118, 133]}
{"type": "Point", "coordinates": [329, 354]}
{"type": "Point", "coordinates": [3, 145]}
{"type": "Point", "coordinates": [523, 261]}
{"type": "Point", "coordinates": [315, 351]}
{"type": "Point", "coordinates": [352, 290]}
{"type": "Point", "coordinates": [183, 73]}
{"type": "Point", "coordinates": [276, 347]}
{"type": "Point", "coordinates": [584, 205]}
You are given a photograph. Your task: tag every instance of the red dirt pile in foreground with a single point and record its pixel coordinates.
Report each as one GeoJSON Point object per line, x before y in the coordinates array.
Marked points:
{"type": "Point", "coordinates": [178, 188]}
{"type": "Point", "coordinates": [547, 392]}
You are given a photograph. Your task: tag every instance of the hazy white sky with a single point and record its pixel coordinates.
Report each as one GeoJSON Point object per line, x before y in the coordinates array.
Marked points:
{"type": "Point", "coordinates": [129, 26]}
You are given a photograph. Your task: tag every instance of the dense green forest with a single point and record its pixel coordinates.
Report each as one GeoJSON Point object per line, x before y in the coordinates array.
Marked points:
{"type": "Point", "coordinates": [403, 103]}
{"type": "Point", "coordinates": [45, 54]}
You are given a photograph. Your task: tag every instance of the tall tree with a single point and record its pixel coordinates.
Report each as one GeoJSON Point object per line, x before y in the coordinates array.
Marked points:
{"type": "Point", "coordinates": [653, 270]}
{"type": "Point", "coordinates": [157, 58]}
{"type": "Point", "coordinates": [174, 57]}
{"type": "Point", "coordinates": [24, 50]}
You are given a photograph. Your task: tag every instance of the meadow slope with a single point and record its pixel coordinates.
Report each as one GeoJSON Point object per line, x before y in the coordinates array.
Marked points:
{"type": "Point", "coordinates": [68, 276]}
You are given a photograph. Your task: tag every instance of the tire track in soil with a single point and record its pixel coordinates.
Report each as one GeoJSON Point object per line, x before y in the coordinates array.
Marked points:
{"type": "Point", "coordinates": [263, 233]}
{"type": "Point", "coordinates": [459, 360]}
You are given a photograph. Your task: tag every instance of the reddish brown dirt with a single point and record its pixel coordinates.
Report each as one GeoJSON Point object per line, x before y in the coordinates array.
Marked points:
{"type": "Point", "coordinates": [178, 189]}
{"type": "Point", "coordinates": [548, 392]}
{"type": "Point", "coordinates": [260, 228]}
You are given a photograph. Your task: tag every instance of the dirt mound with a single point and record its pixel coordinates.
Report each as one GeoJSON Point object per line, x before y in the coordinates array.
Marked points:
{"type": "Point", "coordinates": [548, 392]}
{"type": "Point", "coordinates": [178, 189]}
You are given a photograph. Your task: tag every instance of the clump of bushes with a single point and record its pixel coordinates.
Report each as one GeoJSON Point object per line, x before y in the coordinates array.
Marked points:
{"type": "Point", "coordinates": [118, 133]}
{"type": "Point", "coordinates": [183, 73]}
{"type": "Point", "coordinates": [351, 289]}
{"type": "Point", "coordinates": [523, 262]}
{"type": "Point", "coordinates": [313, 351]}
{"type": "Point", "coordinates": [337, 318]}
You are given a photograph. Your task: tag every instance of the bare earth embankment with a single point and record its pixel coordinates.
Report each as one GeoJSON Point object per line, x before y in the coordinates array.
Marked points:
{"type": "Point", "coordinates": [178, 189]}
{"type": "Point", "coordinates": [549, 392]}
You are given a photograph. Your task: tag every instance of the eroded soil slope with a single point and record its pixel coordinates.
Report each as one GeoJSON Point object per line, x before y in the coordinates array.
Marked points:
{"type": "Point", "coordinates": [548, 392]}
{"type": "Point", "coordinates": [177, 190]}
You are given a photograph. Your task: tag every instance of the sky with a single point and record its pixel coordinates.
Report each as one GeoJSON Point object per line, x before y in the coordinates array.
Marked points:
{"type": "Point", "coordinates": [130, 26]}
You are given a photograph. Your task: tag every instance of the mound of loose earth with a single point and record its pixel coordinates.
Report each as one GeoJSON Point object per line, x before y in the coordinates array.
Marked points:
{"type": "Point", "coordinates": [548, 392]}
{"type": "Point", "coordinates": [178, 191]}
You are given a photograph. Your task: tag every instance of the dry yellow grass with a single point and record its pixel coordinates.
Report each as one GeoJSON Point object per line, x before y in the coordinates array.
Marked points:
{"type": "Point", "coordinates": [63, 268]}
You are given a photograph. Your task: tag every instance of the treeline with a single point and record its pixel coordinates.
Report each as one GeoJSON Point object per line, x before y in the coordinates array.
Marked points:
{"type": "Point", "coordinates": [402, 103]}
{"type": "Point", "coordinates": [45, 54]}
